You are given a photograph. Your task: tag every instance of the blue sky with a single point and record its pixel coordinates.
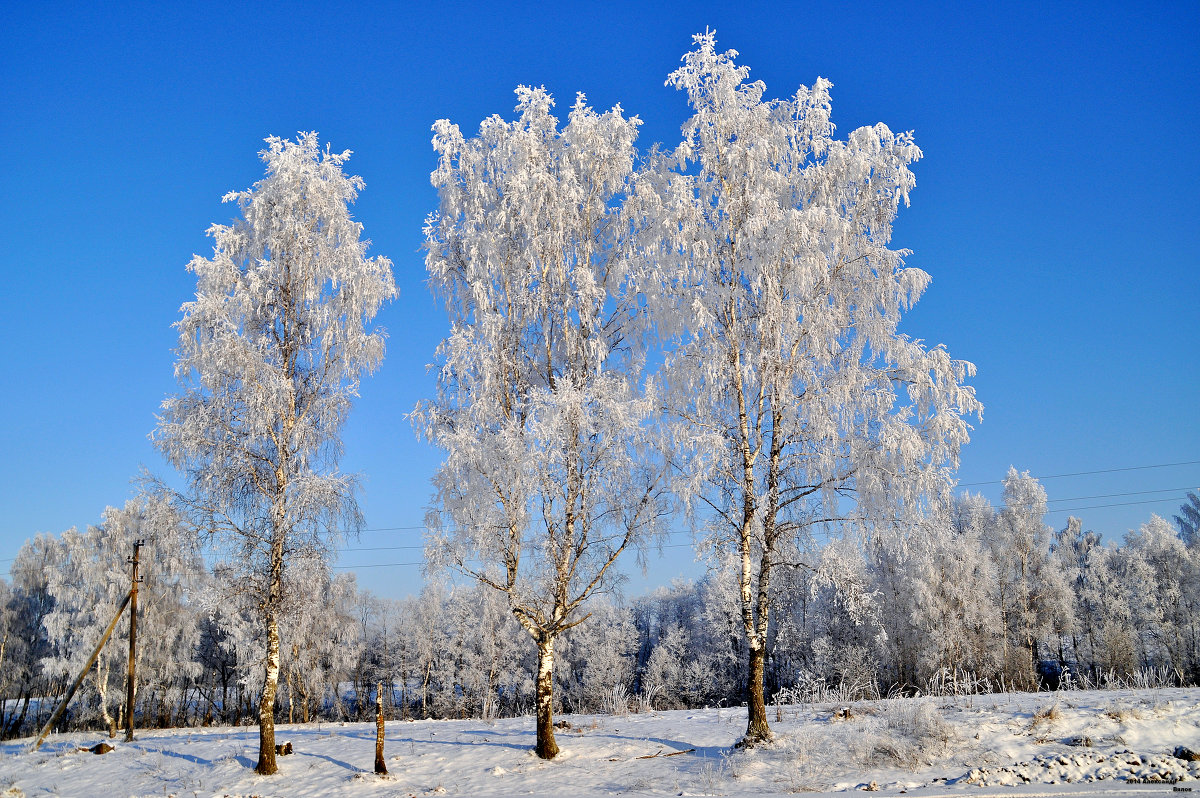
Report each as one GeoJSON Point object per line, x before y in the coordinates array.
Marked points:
{"type": "Point", "coordinates": [1056, 209]}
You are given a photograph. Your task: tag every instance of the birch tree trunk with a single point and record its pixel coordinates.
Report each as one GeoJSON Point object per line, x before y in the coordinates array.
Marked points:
{"type": "Point", "coordinates": [291, 691]}
{"type": "Point", "coordinates": [547, 748]}
{"type": "Point", "coordinates": [380, 765]}
{"type": "Point", "coordinates": [757, 729]}
{"type": "Point", "coordinates": [266, 707]}
{"type": "Point", "coordinates": [102, 690]}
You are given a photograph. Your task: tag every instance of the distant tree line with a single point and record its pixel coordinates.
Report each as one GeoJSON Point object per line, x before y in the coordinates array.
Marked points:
{"type": "Point", "coordinates": [987, 599]}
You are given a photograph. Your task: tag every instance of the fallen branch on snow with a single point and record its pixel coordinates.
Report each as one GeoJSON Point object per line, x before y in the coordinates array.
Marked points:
{"type": "Point", "coordinates": [664, 756]}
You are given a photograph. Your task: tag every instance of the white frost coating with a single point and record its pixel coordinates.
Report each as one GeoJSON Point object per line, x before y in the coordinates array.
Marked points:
{"type": "Point", "coordinates": [541, 406]}
{"type": "Point", "coordinates": [795, 400]}
{"type": "Point", "coordinates": [270, 356]}
{"type": "Point", "coordinates": [89, 583]}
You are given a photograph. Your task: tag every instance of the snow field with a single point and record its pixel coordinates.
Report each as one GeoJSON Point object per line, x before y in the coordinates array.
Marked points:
{"type": "Point", "coordinates": [1019, 744]}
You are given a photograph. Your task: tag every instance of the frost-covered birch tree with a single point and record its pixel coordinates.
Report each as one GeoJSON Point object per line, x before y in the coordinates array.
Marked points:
{"type": "Point", "coordinates": [270, 356]}
{"type": "Point", "coordinates": [90, 582]}
{"type": "Point", "coordinates": [796, 401]}
{"type": "Point", "coordinates": [541, 406]}
{"type": "Point", "coordinates": [25, 641]}
{"type": "Point", "coordinates": [1162, 573]}
{"type": "Point", "coordinates": [1188, 520]}
{"type": "Point", "coordinates": [1032, 594]}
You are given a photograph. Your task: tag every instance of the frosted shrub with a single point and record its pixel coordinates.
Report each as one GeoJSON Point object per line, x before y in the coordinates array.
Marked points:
{"type": "Point", "coordinates": [1112, 679]}
{"type": "Point", "coordinates": [816, 690]}
{"type": "Point", "coordinates": [645, 700]}
{"type": "Point", "coordinates": [946, 683]}
{"type": "Point", "coordinates": [616, 700]}
{"type": "Point", "coordinates": [1152, 678]}
{"type": "Point", "coordinates": [913, 733]}
{"type": "Point", "coordinates": [710, 776]}
{"type": "Point", "coordinates": [920, 721]}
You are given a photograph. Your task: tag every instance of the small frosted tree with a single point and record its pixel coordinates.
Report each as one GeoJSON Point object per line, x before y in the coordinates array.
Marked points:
{"type": "Point", "coordinates": [796, 401]}
{"type": "Point", "coordinates": [1032, 594]}
{"type": "Point", "coordinates": [270, 356]}
{"type": "Point", "coordinates": [85, 590]}
{"type": "Point", "coordinates": [93, 578]}
{"type": "Point", "coordinates": [1161, 573]}
{"type": "Point", "coordinates": [26, 644]}
{"type": "Point", "coordinates": [323, 641]}
{"type": "Point", "coordinates": [1188, 520]}
{"type": "Point", "coordinates": [540, 405]}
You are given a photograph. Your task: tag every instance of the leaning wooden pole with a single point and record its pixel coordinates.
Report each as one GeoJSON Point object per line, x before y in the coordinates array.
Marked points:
{"type": "Point", "coordinates": [62, 707]}
{"type": "Point", "coordinates": [130, 680]}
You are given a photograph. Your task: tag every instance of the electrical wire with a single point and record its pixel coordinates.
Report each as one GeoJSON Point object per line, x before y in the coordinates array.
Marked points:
{"type": "Point", "coordinates": [422, 527]}
{"type": "Point", "coordinates": [399, 564]}
{"type": "Point", "coordinates": [1086, 473]}
{"type": "Point", "coordinates": [1114, 495]}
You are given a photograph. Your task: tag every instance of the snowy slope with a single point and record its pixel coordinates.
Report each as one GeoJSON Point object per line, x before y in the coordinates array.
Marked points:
{"type": "Point", "coordinates": [1021, 744]}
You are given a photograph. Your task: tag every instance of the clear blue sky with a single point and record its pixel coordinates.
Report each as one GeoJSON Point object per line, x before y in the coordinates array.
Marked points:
{"type": "Point", "coordinates": [1056, 208]}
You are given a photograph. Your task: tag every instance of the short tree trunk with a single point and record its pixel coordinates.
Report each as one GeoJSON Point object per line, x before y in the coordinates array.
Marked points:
{"type": "Point", "coordinates": [102, 690]}
{"type": "Point", "coordinates": [380, 766]}
{"type": "Point", "coordinates": [303, 698]}
{"type": "Point", "coordinates": [266, 707]}
{"type": "Point", "coordinates": [291, 698]}
{"type": "Point", "coordinates": [547, 748]}
{"type": "Point", "coordinates": [757, 730]}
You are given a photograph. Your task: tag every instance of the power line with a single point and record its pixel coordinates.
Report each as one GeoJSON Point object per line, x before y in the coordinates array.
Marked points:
{"type": "Point", "coordinates": [675, 532]}
{"type": "Point", "coordinates": [374, 565]}
{"type": "Point", "coordinates": [1114, 504]}
{"type": "Point", "coordinates": [380, 548]}
{"type": "Point", "coordinates": [1087, 473]}
{"type": "Point", "coordinates": [399, 564]}
{"type": "Point", "coordinates": [1131, 493]}
{"type": "Point", "coordinates": [961, 485]}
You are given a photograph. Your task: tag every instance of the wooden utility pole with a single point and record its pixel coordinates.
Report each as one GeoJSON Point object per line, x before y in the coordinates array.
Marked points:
{"type": "Point", "coordinates": [130, 682]}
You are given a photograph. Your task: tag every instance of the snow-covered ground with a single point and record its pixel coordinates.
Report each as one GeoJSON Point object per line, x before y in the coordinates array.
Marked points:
{"type": "Point", "coordinates": [1072, 743]}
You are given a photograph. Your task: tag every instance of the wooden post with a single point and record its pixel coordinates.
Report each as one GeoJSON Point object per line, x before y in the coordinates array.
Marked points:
{"type": "Point", "coordinates": [380, 766]}
{"type": "Point", "coordinates": [58, 713]}
{"type": "Point", "coordinates": [130, 680]}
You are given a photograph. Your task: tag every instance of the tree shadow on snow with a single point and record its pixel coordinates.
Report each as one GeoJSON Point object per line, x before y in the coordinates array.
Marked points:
{"type": "Point", "coordinates": [328, 758]}
{"type": "Point", "coordinates": [485, 742]}
{"type": "Point", "coordinates": [666, 747]}
{"type": "Point", "coordinates": [196, 760]}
